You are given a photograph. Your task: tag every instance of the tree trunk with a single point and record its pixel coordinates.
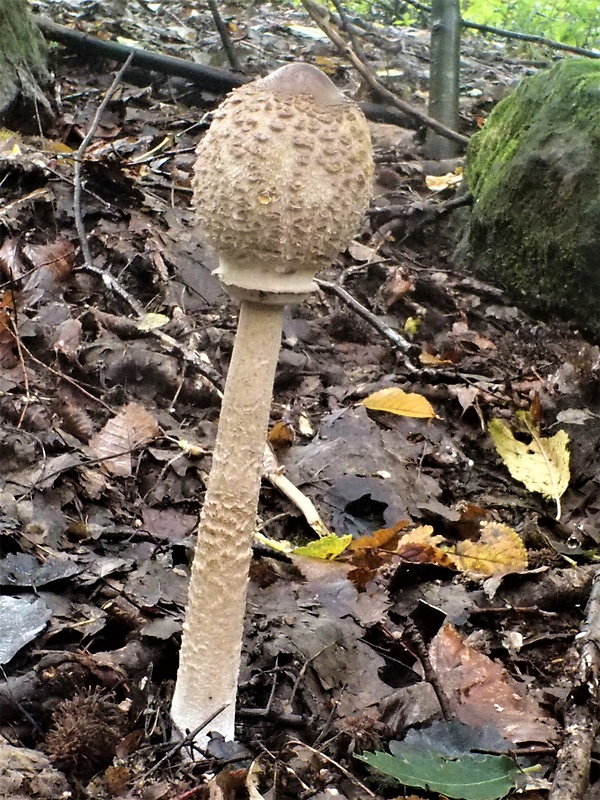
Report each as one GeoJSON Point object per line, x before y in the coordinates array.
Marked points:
{"type": "Point", "coordinates": [444, 75]}
{"type": "Point", "coordinates": [24, 72]}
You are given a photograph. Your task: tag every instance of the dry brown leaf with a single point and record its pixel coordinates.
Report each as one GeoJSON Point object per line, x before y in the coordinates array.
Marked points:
{"type": "Point", "coordinates": [481, 692]}
{"type": "Point", "coordinates": [132, 427]}
{"type": "Point", "coordinates": [422, 546]}
{"type": "Point", "coordinates": [68, 338]}
{"type": "Point", "coordinates": [498, 551]}
{"type": "Point", "coordinates": [11, 262]}
{"type": "Point", "coordinates": [281, 435]}
{"type": "Point", "coordinates": [384, 538]}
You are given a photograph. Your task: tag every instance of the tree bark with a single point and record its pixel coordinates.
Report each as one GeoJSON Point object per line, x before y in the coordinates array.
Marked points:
{"type": "Point", "coordinates": [444, 75]}
{"type": "Point", "coordinates": [24, 74]}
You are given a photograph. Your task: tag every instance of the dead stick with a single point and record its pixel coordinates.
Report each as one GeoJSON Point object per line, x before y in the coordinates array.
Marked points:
{"type": "Point", "coordinates": [212, 79]}
{"type": "Point", "coordinates": [582, 722]}
{"type": "Point", "coordinates": [225, 40]}
{"type": "Point", "coordinates": [397, 340]}
{"type": "Point", "coordinates": [78, 158]}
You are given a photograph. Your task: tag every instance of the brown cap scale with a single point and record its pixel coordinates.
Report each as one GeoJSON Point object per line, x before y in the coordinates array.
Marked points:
{"type": "Point", "coordinates": [282, 181]}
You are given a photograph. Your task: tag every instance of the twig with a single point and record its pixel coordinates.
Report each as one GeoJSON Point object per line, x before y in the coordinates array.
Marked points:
{"type": "Point", "coordinates": [416, 639]}
{"type": "Point", "coordinates": [113, 285]}
{"type": "Point", "coordinates": [336, 764]}
{"type": "Point", "coordinates": [582, 721]}
{"type": "Point", "coordinates": [58, 374]}
{"type": "Point", "coordinates": [234, 62]}
{"type": "Point", "coordinates": [320, 15]}
{"type": "Point", "coordinates": [397, 340]}
{"type": "Point", "coordinates": [78, 158]}
{"type": "Point", "coordinates": [532, 37]}
{"type": "Point", "coordinates": [169, 342]}
{"type": "Point", "coordinates": [350, 31]}
{"type": "Point", "coordinates": [188, 739]}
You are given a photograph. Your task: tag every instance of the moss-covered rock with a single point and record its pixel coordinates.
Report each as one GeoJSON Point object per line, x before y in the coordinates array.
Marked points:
{"type": "Point", "coordinates": [535, 173]}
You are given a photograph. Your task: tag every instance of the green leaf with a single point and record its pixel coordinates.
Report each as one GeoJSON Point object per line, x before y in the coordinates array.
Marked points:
{"type": "Point", "coordinates": [466, 777]}
{"type": "Point", "coordinates": [328, 547]}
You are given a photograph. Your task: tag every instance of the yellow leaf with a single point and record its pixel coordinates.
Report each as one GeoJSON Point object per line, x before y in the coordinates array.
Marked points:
{"type": "Point", "coordinates": [328, 547]}
{"type": "Point", "coordinates": [150, 322]}
{"type": "Point", "coordinates": [412, 325]}
{"type": "Point", "coordinates": [395, 401]}
{"type": "Point", "coordinates": [499, 550]}
{"type": "Point", "coordinates": [282, 546]}
{"type": "Point", "coordinates": [439, 182]}
{"type": "Point", "coordinates": [542, 465]}
{"type": "Point", "coordinates": [429, 360]}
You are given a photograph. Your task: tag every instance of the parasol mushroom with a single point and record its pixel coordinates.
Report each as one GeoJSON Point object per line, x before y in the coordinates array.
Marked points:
{"type": "Point", "coordinates": [282, 181]}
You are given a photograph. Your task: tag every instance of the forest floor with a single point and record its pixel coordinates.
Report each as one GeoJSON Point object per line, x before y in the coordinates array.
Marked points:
{"type": "Point", "coordinates": [109, 403]}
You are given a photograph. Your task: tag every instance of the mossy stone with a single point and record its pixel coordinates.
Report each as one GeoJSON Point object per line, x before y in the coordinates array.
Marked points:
{"type": "Point", "coordinates": [535, 173]}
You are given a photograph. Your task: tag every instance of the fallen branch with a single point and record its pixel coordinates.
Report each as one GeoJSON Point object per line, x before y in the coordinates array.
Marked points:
{"type": "Point", "coordinates": [394, 337]}
{"type": "Point", "coordinates": [210, 78]}
{"type": "Point", "coordinates": [224, 36]}
{"type": "Point", "coordinates": [582, 722]}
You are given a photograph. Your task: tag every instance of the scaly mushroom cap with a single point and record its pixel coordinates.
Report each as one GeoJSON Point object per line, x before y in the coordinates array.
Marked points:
{"type": "Point", "coordinates": [282, 181]}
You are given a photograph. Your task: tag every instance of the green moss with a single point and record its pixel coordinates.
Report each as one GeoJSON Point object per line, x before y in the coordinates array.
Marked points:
{"type": "Point", "coordinates": [535, 173]}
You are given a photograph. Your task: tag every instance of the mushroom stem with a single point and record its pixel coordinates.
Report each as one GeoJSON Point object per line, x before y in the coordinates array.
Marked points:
{"type": "Point", "coordinates": [212, 633]}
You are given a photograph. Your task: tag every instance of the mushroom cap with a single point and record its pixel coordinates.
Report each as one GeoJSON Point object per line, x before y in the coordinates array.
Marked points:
{"type": "Point", "coordinates": [282, 181]}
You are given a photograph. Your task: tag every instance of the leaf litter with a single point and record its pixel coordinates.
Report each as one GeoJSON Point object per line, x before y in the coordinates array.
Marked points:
{"type": "Point", "coordinates": [99, 498]}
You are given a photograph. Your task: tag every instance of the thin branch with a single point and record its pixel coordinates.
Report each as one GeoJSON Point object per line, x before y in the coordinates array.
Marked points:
{"type": "Point", "coordinates": [523, 37]}
{"type": "Point", "coordinates": [321, 16]}
{"type": "Point", "coordinates": [336, 764]}
{"type": "Point", "coordinates": [78, 158]}
{"type": "Point", "coordinates": [171, 344]}
{"type": "Point", "coordinates": [395, 338]}
{"type": "Point", "coordinates": [350, 31]}
{"type": "Point", "coordinates": [531, 37]}
{"type": "Point", "coordinates": [234, 61]}
{"type": "Point", "coordinates": [572, 774]}
{"type": "Point", "coordinates": [188, 740]}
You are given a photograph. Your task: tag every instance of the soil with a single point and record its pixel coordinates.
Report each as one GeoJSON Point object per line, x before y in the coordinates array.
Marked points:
{"type": "Point", "coordinates": [111, 364]}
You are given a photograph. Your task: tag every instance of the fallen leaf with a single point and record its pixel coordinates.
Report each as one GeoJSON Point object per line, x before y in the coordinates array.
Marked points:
{"type": "Point", "coordinates": [422, 546]}
{"type": "Point", "coordinates": [431, 360]}
{"type": "Point", "coordinates": [152, 321]}
{"type": "Point", "coordinates": [396, 401]}
{"type": "Point", "coordinates": [542, 465]}
{"type": "Point", "coordinates": [329, 547]}
{"type": "Point", "coordinates": [281, 435]}
{"type": "Point", "coordinates": [498, 551]}
{"type": "Point", "coordinates": [469, 776]}
{"type": "Point", "coordinates": [132, 427]}
{"type": "Point", "coordinates": [438, 183]}
{"type": "Point", "coordinates": [482, 692]}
